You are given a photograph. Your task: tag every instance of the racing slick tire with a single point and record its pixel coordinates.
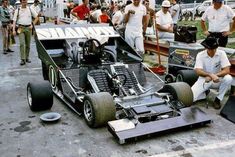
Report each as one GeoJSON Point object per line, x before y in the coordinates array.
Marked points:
{"type": "Point", "coordinates": [180, 91]}
{"type": "Point", "coordinates": [98, 109]}
{"type": "Point", "coordinates": [39, 96]}
{"type": "Point", "coordinates": [188, 76]}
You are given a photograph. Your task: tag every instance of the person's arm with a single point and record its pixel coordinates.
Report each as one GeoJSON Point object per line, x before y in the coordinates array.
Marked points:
{"type": "Point", "coordinates": [144, 21]}
{"type": "Point", "coordinates": [36, 19]}
{"type": "Point", "coordinates": [127, 16]}
{"type": "Point", "coordinates": [165, 29]}
{"type": "Point", "coordinates": [35, 15]}
{"type": "Point", "coordinates": [232, 29]}
{"type": "Point", "coordinates": [204, 28]}
{"type": "Point", "coordinates": [14, 21]}
{"type": "Point", "coordinates": [14, 28]}
{"type": "Point", "coordinates": [223, 72]}
{"type": "Point", "coordinates": [74, 13]}
{"type": "Point", "coordinates": [99, 19]}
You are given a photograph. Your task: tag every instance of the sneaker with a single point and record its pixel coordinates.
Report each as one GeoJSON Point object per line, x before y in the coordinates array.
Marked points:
{"type": "Point", "coordinates": [217, 104]}
{"type": "Point", "coordinates": [9, 50]}
{"type": "Point", "coordinates": [28, 61]}
{"type": "Point", "coordinates": [22, 62]}
{"type": "Point", "coordinates": [4, 52]}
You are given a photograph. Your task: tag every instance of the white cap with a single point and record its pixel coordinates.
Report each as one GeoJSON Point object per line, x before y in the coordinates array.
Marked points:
{"type": "Point", "coordinates": [166, 3]}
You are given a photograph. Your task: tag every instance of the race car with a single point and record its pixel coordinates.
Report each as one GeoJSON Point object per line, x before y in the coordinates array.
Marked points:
{"type": "Point", "coordinates": [97, 74]}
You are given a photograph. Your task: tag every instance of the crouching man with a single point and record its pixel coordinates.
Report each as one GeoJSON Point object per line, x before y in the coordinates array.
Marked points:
{"type": "Point", "coordinates": [213, 68]}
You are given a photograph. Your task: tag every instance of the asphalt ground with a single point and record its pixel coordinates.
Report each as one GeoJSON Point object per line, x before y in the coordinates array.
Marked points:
{"type": "Point", "coordinates": [22, 134]}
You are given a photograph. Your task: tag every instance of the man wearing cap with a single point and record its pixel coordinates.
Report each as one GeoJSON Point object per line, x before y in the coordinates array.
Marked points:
{"type": "Point", "coordinates": [219, 17]}
{"type": "Point", "coordinates": [135, 19]}
{"type": "Point", "coordinates": [164, 22]}
{"type": "Point", "coordinates": [213, 68]}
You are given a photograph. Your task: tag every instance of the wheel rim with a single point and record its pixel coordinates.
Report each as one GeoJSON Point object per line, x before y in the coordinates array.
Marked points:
{"type": "Point", "coordinates": [88, 110]}
{"type": "Point", "coordinates": [29, 96]}
{"type": "Point", "coordinates": [169, 79]}
{"type": "Point", "coordinates": [179, 78]}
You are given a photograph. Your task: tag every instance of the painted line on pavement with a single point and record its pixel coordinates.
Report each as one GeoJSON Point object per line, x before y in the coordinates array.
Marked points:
{"type": "Point", "coordinates": [18, 70]}
{"type": "Point", "coordinates": [196, 149]}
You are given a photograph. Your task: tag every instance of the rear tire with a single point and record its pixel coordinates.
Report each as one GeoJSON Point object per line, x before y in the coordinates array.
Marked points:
{"type": "Point", "coordinates": [39, 96]}
{"type": "Point", "coordinates": [188, 76]}
{"type": "Point", "coordinates": [180, 91]}
{"type": "Point", "coordinates": [98, 109]}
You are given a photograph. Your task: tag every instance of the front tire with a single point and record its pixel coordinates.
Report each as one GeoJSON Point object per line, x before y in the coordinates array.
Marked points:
{"type": "Point", "coordinates": [39, 96]}
{"type": "Point", "coordinates": [98, 109]}
{"type": "Point", "coordinates": [180, 91]}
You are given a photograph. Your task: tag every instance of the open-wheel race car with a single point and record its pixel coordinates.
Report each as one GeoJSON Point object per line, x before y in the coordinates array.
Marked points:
{"type": "Point", "coordinates": [95, 72]}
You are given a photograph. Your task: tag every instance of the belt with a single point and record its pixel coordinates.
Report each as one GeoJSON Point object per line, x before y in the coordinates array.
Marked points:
{"type": "Point", "coordinates": [216, 33]}
{"type": "Point", "coordinates": [24, 25]}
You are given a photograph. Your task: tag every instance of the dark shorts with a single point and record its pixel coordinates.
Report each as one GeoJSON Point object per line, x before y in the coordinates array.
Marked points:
{"type": "Point", "coordinates": [222, 39]}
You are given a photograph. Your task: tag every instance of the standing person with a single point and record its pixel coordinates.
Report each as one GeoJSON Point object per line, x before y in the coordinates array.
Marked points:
{"type": "Point", "coordinates": [175, 12]}
{"type": "Point", "coordinates": [95, 14]}
{"type": "Point", "coordinates": [213, 68]}
{"type": "Point", "coordinates": [150, 13]}
{"type": "Point", "coordinates": [135, 19]}
{"type": "Point", "coordinates": [6, 26]}
{"type": "Point", "coordinates": [219, 17]}
{"type": "Point", "coordinates": [65, 9]}
{"type": "Point", "coordinates": [164, 22]}
{"type": "Point", "coordinates": [23, 17]}
{"type": "Point", "coordinates": [117, 18]}
{"type": "Point", "coordinates": [36, 7]}
{"type": "Point", "coordinates": [81, 12]}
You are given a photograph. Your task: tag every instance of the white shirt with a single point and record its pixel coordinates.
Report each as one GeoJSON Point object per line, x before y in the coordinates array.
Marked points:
{"type": "Point", "coordinates": [135, 20]}
{"type": "Point", "coordinates": [175, 8]}
{"type": "Point", "coordinates": [96, 13]}
{"type": "Point", "coordinates": [117, 17]}
{"type": "Point", "coordinates": [25, 16]}
{"type": "Point", "coordinates": [11, 10]}
{"type": "Point", "coordinates": [36, 8]}
{"type": "Point", "coordinates": [219, 20]}
{"type": "Point", "coordinates": [212, 64]}
{"type": "Point", "coordinates": [164, 20]}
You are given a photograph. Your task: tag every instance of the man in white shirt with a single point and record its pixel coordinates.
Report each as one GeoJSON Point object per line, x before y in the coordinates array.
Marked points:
{"type": "Point", "coordinates": [23, 17]}
{"type": "Point", "coordinates": [213, 68]}
{"type": "Point", "coordinates": [117, 18]}
{"type": "Point", "coordinates": [175, 11]}
{"type": "Point", "coordinates": [36, 6]}
{"type": "Point", "coordinates": [219, 17]}
{"type": "Point", "coordinates": [135, 19]}
{"type": "Point", "coordinates": [96, 13]}
{"type": "Point", "coordinates": [164, 22]}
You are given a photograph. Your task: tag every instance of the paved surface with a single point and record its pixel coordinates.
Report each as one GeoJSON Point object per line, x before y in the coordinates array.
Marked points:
{"type": "Point", "coordinates": [22, 134]}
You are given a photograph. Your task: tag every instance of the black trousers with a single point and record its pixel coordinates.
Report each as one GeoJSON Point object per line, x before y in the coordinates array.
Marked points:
{"type": "Point", "coordinates": [222, 39]}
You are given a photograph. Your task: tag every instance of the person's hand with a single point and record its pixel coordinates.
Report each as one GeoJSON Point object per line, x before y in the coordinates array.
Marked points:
{"type": "Point", "coordinates": [31, 27]}
{"type": "Point", "coordinates": [14, 32]}
{"type": "Point", "coordinates": [206, 33]}
{"type": "Point", "coordinates": [170, 29]}
{"type": "Point", "coordinates": [227, 33]}
{"type": "Point", "coordinates": [214, 78]}
{"type": "Point", "coordinates": [208, 79]}
{"type": "Point", "coordinates": [131, 12]}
